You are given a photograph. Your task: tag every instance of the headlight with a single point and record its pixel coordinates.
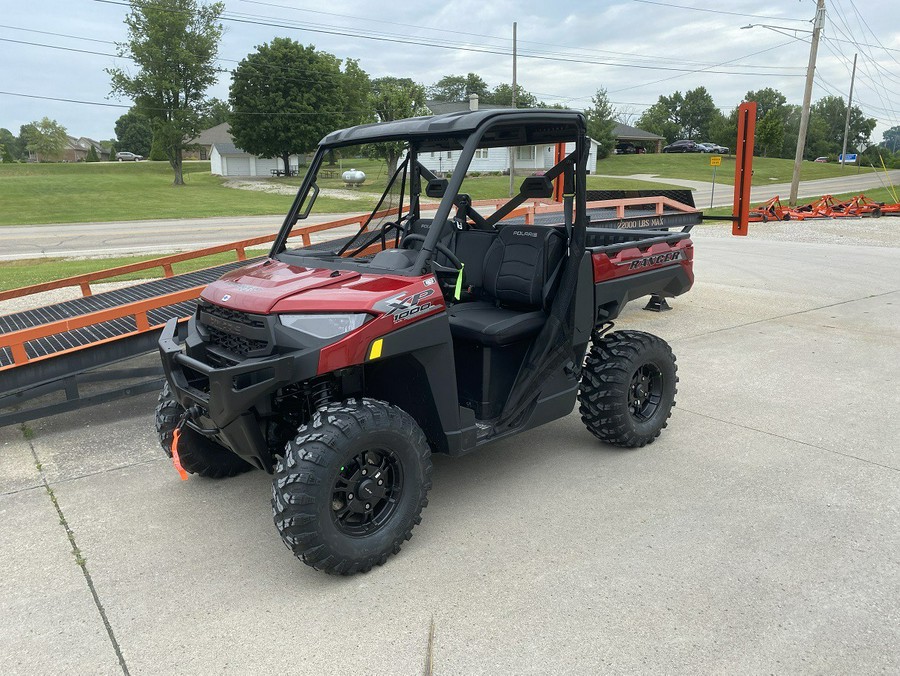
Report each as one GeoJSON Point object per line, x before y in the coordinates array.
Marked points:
{"type": "Point", "coordinates": [324, 326]}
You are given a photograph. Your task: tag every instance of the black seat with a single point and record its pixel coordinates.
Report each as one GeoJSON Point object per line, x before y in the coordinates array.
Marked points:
{"type": "Point", "coordinates": [520, 270]}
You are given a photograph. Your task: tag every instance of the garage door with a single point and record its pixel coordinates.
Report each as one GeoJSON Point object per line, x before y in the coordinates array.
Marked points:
{"type": "Point", "coordinates": [237, 166]}
{"type": "Point", "coordinates": [264, 166]}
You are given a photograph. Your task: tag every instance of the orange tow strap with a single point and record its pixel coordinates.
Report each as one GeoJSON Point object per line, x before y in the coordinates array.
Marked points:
{"type": "Point", "coordinates": [176, 435]}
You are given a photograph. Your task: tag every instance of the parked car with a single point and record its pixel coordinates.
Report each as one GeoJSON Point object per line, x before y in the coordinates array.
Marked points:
{"type": "Point", "coordinates": [628, 149]}
{"type": "Point", "coordinates": [682, 147]}
{"type": "Point", "coordinates": [128, 157]}
{"type": "Point", "coordinates": [716, 148]}
{"type": "Point", "coordinates": [821, 159]}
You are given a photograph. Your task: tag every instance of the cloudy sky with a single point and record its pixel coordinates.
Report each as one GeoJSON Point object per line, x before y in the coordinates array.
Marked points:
{"type": "Point", "coordinates": [636, 49]}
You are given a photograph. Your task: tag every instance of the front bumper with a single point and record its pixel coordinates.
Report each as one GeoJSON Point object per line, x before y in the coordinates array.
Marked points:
{"type": "Point", "coordinates": [231, 397]}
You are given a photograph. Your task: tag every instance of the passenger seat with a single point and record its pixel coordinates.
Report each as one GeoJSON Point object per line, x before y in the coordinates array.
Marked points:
{"type": "Point", "coordinates": [521, 270]}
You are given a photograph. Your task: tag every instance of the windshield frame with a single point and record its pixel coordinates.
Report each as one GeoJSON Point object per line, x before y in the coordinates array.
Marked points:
{"type": "Point", "coordinates": [572, 128]}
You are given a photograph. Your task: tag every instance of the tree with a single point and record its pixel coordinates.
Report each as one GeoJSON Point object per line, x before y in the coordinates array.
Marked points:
{"type": "Point", "coordinates": [92, 155]}
{"type": "Point", "coordinates": [174, 44]}
{"type": "Point", "coordinates": [697, 113]}
{"type": "Point", "coordinates": [395, 98]}
{"type": "Point", "coordinates": [8, 143]}
{"type": "Point", "coordinates": [501, 95]}
{"type": "Point", "coordinates": [767, 100]}
{"type": "Point", "coordinates": [357, 94]}
{"type": "Point", "coordinates": [46, 139]}
{"type": "Point", "coordinates": [663, 117]}
{"type": "Point", "coordinates": [134, 133]}
{"type": "Point", "coordinates": [458, 88]}
{"type": "Point", "coordinates": [276, 111]}
{"type": "Point", "coordinates": [600, 123]}
{"type": "Point", "coordinates": [891, 139]}
{"type": "Point", "coordinates": [769, 133]}
{"type": "Point", "coordinates": [826, 132]}
{"type": "Point", "coordinates": [215, 112]}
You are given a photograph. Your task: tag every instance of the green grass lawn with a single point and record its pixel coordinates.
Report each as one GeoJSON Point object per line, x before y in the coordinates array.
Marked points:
{"type": "Point", "coordinates": [123, 191]}
{"type": "Point", "coordinates": [112, 191]}
{"type": "Point", "coordinates": [695, 167]}
{"type": "Point", "coordinates": [16, 274]}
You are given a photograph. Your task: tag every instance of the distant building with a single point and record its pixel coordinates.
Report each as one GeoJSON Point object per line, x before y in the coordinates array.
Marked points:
{"type": "Point", "coordinates": [226, 159]}
{"type": "Point", "coordinates": [76, 150]}
{"type": "Point", "coordinates": [626, 134]}
{"type": "Point", "coordinates": [528, 159]}
{"type": "Point", "coordinates": [221, 133]}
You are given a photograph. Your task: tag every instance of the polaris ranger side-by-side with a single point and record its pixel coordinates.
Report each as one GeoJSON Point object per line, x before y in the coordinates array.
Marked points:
{"type": "Point", "coordinates": [437, 328]}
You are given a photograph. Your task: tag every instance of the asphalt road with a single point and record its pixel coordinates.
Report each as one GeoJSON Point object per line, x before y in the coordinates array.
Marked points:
{"type": "Point", "coordinates": [125, 238]}
{"type": "Point", "coordinates": [723, 195]}
{"type": "Point", "coordinates": [163, 236]}
{"type": "Point", "coordinates": [759, 534]}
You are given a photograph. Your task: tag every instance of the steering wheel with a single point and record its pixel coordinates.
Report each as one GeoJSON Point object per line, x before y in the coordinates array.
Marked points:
{"type": "Point", "coordinates": [416, 237]}
{"type": "Point", "coordinates": [387, 226]}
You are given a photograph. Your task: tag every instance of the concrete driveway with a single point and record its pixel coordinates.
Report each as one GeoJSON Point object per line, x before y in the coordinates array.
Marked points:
{"type": "Point", "coordinates": [760, 533]}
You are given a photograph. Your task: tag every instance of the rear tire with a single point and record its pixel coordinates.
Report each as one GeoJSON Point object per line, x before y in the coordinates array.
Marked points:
{"type": "Point", "coordinates": [198, 455]}
{"type": "Point", "coordinates": [351, 486]}
{"type": "Point", "coordinates": [628, 388]}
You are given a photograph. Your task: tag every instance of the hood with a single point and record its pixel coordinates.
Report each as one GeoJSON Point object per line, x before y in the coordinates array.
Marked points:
{"type": "Point", "coordinates": [259, 287]}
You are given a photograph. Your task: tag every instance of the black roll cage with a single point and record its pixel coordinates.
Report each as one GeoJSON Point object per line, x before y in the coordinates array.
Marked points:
{"type": "Point", "coordinates": [501, 128]}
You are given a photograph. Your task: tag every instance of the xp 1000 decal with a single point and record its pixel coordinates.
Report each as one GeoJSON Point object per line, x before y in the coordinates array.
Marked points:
{"type": "Point", "coordinates": [403, 307]}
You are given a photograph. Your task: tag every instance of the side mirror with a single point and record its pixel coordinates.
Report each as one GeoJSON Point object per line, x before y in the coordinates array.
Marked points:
{"type": "Point", "coordinates": [436, 187]}
{"type": "Point", "coordinates": [536, 187]}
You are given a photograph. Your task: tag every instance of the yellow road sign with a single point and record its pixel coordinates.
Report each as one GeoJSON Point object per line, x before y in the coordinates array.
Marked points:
{"type": "Point", "coordinates": [715, 161]}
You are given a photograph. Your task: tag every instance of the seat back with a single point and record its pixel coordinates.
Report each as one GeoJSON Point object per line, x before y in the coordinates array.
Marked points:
{"type": "Point", "coordinates": [471, 247]}
{"type": "Point", "coordinates": [520, 265]}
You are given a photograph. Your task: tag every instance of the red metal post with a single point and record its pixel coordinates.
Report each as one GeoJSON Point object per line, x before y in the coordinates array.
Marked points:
{"type": "Point", "coordinates": [558, 156]}
{"type": "Point", "coordinates": [743, 169]}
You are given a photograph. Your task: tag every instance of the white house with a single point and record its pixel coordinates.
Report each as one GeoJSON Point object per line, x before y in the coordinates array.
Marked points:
{"type": "Point", "coordinates": [528, 159]}
{"type": "Point", "coordinates": [226, 159]}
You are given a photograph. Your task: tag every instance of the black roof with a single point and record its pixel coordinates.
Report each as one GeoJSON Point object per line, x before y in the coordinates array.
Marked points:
{"type": "Point", "coordinates": [509, 126]}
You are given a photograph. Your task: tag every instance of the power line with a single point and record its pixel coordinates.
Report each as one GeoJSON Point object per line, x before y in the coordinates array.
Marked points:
{"type": "Point", "coordinates": [570, 51]}
{"type": "Point", "coordinates": [717, 11]}
{"type": "Point", "coordinates": [440, 45]}
{"type": "Point", "coordinates": [106, 104]}
{"type": "Point", "coordinates": [702, 70]}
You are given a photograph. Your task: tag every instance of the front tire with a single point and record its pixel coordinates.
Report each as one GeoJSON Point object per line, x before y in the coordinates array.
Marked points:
{"type": "Point", "coordinates": [198, 455]}
{"type": "Point", "coordinates": [351, 486]}
{"type": "Point", "coordinates": [628, 388]}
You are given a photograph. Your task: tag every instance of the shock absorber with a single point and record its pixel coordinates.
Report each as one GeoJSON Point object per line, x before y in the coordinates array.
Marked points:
{"type": "Point", "coordinates": [320, 394]}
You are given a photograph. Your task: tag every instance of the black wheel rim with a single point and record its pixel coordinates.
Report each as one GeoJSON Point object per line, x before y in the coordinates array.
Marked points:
{"type": "Point", "coordinates": [645, 392]}
{"type": "Point", "coordinates": [366, 492]}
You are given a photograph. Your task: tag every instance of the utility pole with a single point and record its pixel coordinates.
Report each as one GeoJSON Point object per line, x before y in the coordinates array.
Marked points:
{"type": "Point", "coordinates": [847, 121]}
{"type": "Point", "coordinates": [818, 22]}
{"type": "Point", "coordinates": [512, 149]}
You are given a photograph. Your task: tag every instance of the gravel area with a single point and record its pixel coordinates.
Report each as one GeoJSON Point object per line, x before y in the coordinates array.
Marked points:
{"type": "Point", "coordinates": [263, 185]}
{"type": "Point", "coordinates": [857, 231]}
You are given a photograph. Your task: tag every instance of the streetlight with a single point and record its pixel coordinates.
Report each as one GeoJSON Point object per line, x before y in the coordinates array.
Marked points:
{"type": "Point", "coordinates": [818, 22]}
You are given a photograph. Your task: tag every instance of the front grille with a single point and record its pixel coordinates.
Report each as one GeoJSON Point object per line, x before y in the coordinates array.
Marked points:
{"type": "Point", "coordinates": [236, 332]}
{"type": "Point", "coordinates": [237, 344]}
{"type": "Point", "coordinates": [233, 315]}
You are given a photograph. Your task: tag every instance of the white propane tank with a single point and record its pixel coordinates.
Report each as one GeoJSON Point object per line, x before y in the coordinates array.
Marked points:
{"type": "Point", "coordinates": [353, 177]}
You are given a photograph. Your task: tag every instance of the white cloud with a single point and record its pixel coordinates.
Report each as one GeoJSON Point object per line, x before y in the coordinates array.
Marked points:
{"type": "Point", "coordinates": [622, 31]}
